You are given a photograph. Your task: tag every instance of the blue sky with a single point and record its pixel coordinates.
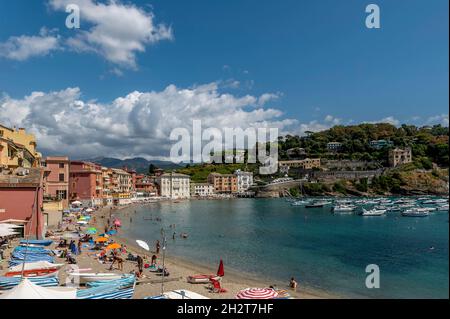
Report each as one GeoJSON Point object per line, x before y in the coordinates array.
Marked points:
{"type": "Point", "coordinates": [317, 57]}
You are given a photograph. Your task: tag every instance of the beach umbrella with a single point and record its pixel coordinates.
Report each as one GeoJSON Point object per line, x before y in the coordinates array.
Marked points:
{"type": "Point", "coordinates": [143, 244]}
{"type": "Point", "coordinates": [117, 223]}
{"type": "Point", "coordinates": [89, 210]}
{"type": "Point", "coordinates": [82, 222]}
{"type": "Point", "coordinates": [113, 246]}
{"type": "Point", "coordinates": [257, 293]}
{"type": "Point", "coordinates": [77, 203]}
{"type": "Point", "coordinates": [111, 232]}
{"type": "Point", "coordinates": [91, 231]}
{"type": "Point", "coordinates": [101, 240]}
{"type": "Point", "coordinates": [221, 271]}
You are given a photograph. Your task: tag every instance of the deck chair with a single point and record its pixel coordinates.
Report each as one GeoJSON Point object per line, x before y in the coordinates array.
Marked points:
{"type": "Point", "coordinates": [216, 287]}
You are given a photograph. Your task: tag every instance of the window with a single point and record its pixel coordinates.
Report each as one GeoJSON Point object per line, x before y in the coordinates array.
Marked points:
{"type": "Point", "coordinates": [62, 194]}
{"type": "Point", "coordinates": [61, 165]}
{"type": "Point", "coordinates": [61, 177]}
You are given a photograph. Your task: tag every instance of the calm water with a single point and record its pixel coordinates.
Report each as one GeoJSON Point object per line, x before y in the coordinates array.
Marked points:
{"type": "Point", "coordinates": [272, 239]}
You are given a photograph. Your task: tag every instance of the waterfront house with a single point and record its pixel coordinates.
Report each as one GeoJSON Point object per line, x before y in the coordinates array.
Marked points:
{"type": "Point", "coordinates": [202, 190]}
{"type": "Point", "coordinates": [174, 185]}
{"type": "Point", "coordinates": [223, 183]}
{"type": "Point", "coordinates": [145, 185]}
{"type": "Point", "coordinates": [21, 199]}
{"type": "Point", "coordinates": [56, 185]}
{"type": "Point", "coordinates": [86, 183]}
{"type": "Point", "coordinates": [122, 186]}
{"type": "Point", "coordinates": [244, 180]}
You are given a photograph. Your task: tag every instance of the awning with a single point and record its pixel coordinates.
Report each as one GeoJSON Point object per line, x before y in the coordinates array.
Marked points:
{"type": "Point", "coordinates": [28, 290]}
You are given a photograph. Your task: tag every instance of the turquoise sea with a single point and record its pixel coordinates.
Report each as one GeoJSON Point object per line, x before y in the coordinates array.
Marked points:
{"type": "Point", "coordinates": [274, 240]}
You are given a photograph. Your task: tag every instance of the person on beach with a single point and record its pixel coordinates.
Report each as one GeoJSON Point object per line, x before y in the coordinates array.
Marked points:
{"type": "Point", "coordinates": [140, 264]}
{"type": "Point", "coordinates": [158, 246]}
{"type": "Point", "coordinates": [173, 236]}
{"type": "Point", "coordinates": [154, 260]}
{"type": "Point", "coordinates": [293, 284]}
{"type": "Point", "coordinates": [79, 247]}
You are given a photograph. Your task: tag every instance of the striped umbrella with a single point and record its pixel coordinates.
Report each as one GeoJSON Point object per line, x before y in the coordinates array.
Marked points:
{"type": "Point", "coordinates": [257, 293]}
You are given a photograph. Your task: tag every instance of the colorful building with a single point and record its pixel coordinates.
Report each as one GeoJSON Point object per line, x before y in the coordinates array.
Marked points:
{"type": "Point", "coordinates": [56, 186]}
{"type": "Point", "coordinates": [18, 148]}
{"type": "Point", "coordinates": [86, 183]}
{"type": "Point", "coordinates": [145, 186]}
{"type": "Point", "coordinates": [21, 199]}
{"type": "Point", "coordinates": [223, 183]}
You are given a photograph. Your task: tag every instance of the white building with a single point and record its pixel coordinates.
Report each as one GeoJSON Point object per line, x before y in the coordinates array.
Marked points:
{"type": "Point", "coordinates": [244, 180]}
{"type": "Point", "coordinates": [334, 146]}
{"type": "Point", "coordinates": [174, 185]}
{"type": "Point", "coordinates": [202, 189]}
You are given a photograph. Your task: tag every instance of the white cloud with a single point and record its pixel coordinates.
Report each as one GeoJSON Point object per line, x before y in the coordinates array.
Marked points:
{"type": "Point", "coordinates": [117, 31]}
{"type": "Point", "coordinates": [138, 124]}
{"type": "Point", "coordinates": [438, 119]}
{"type": "Point", "coordinates": [23, 47]}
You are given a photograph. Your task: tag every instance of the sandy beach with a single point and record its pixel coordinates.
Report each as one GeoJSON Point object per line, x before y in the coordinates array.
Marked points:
{"type": "Point", "coordinates": [180, 268]}
{"type": "Point", "coordinates": [150, 283]}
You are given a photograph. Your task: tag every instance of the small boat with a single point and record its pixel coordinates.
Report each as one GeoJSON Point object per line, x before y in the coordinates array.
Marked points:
{"type": "Point", "coordinates": [201, 279]}
{"type": "Point", "coordinates": [89, 277]}
{"type": "Point", "coordinates": [318, 204]}
{"type": "Point", "coordinates": [373, 212]}
{"type": "Point", "coordinates": [34, 273]}
{"type": "Point", "coordinates": [343, 209]}
{"type": "Point", "coordinates": [38, 242]}
{"type": "Point", "coordinates": [415, 213]}
{"type": "Point", "coordinates": [442, 208]}
{"type": "Point", "coordinates": [299, 203]}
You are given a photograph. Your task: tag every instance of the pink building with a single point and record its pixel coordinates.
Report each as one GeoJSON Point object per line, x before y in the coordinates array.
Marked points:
{"type": "Point", "coordinates": [86, 183]}
{"type": "Point", "coordinates": [21, 199]}
{"type": "Point", "coordinates": [56, 186]}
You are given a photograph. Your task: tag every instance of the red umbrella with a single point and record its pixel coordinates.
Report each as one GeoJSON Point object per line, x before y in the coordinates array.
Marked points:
{"type": "Point", "coordinates": [220, 271]}
{"type": "Point", "coordinates": [257, 293]}
{"type": "Point", "coordinates": [117, 222]}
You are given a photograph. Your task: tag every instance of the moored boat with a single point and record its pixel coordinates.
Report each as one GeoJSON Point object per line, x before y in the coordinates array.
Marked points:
{"type": "Point", "coordinates": [415, 213]}
{"type": "Point", "coordinates": [373, 212]}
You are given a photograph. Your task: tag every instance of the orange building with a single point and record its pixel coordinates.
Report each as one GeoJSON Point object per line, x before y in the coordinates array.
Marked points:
{"type": "Point", "coordinates": [223, 183]}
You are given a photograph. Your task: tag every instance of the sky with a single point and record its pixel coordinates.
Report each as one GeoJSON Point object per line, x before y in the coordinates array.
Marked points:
{"type": "Point", "coordinates": [135, 70]}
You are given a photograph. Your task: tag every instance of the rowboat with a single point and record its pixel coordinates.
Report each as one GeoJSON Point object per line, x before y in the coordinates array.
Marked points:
{"type": "Point", "coordinates": [39, 242]}
{"type": "Point", "coordinates": [36, 265]}
{"type": "Point", "coordinates": [33, 273]}
{"type": "Point", "coordinates": [84, 278]}
{"type": "Point", "coordinates": [201, 279]}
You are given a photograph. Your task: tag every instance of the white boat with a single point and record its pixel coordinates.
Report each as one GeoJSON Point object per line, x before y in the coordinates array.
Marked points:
{"type": "Point", "coordinates": [373, 212]}
{"type": "Point", "coordinates": [343, 209]}
{"type": "Point", "coordinates": [415, 213]}
{"type": "Point", "coordinates": [84, 278]}
{"type": "Point", "coordinates": [442, 208]}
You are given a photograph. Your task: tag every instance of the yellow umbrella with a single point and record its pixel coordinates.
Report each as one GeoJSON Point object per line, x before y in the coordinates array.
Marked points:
{"type": "Point", "coordinates": [113, 246]}
{"type": "Point", "coordinates": [101, 240]}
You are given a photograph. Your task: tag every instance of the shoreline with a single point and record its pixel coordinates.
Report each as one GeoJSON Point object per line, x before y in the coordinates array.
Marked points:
{"type": "Point", "coordinates": [234, 280]}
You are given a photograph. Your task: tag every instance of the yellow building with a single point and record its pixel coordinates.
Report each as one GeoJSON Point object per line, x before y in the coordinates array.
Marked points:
{"type": "Point", "coordinates": [18, 148]}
